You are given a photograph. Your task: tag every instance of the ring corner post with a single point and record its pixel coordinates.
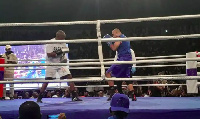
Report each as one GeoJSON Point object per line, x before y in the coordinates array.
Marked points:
{"type": "Point", "coordinates": [191, 70]}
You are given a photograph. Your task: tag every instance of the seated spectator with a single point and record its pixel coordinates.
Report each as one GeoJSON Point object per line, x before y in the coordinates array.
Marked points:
{"type": "Point", "coordinates": [67, 94]}
{"type": "Point", "coordinates": [58, 94]}
{"type": "Point", "coordinates": [156, 91]}
{"type": "Point", "coordinates": [15, 95]}
{"type": "Point", "coordinates": [55, 94]}
{"type": "Point", "coordinates": [119, 106]}
{"type": "Point", "coordinates": [34, 95]}
{"type": "Point", "coordinates": [26, 95]}
{"type": "Point", "coordinates": [86, 94]}
{"type": "Point", "coordinates": [29, 110]}
{"type": "Point", "coordinates": [48, 94]}
{"type": "Point", "coordinates": [100, 94]}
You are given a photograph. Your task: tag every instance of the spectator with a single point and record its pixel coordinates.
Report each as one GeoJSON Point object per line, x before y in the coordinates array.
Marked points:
{"type": "Point", "coordinates": [62, 116]}
{"type": "Point", "coordinates": [49, 95]}
{"type": "Point", "coordinates": [101, 94]}
{"type": "Point", "coordinates": [119, 106]}
{"type": "Point", "coordinates": [10, 58]}
{"type": "Point", "coordinates": [67, 93]}
{"type": "Point", "coordinates": [26, 95]}
{"type": "Point", "coordinates": [86, 94]}
{"type": "Point", "coordinates": [34, 95]}
{"type": "Point", "coordinates": [16, 95]}
{"type": "Point", "coordinates": [29, 110]}
{"type": "Point", "coordinates": [54, 94]}
{"type": "Point", "coordinates": [156, 91]}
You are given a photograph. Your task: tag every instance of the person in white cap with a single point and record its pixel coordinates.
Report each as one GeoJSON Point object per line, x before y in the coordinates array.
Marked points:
{"type": "Point", "coordinates": [10, 58]}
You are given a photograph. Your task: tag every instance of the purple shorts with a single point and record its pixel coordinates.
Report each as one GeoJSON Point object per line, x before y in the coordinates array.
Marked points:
{"type": "Point", "coordinates": [121, 70]}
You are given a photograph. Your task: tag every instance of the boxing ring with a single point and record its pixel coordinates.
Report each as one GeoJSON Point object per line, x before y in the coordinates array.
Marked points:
{"type": "Point", "coordinates": [97, 107]}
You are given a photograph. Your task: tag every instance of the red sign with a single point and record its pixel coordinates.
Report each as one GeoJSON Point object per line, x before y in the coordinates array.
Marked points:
{"type": "Point", "coordinates": [2, 61]}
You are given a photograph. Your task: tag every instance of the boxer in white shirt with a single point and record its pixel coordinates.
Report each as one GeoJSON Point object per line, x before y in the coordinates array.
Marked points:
{"type": "Point", "coordinates": [56, 53]}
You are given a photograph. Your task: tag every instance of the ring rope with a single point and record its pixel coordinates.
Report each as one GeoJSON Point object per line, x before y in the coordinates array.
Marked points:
{"type": "Point", "coordinates": [99, 86]}
{"type": "Point", "coordinates": [135, 77]}
{"type": "Point", "coordinates": [47, 23]}
{"type": "Point", "coordinates": [111, 59]}
{"type": "Point", "coordinates": [103, 21]}
{"type": "Point", "coordinates": [153, 61]}
{"type": "Point", "coordinates": [174, 75]}
{"type": "Point", "coordinates": [152, 19]}
{"type": "Point", "coordinates": [97, 79]}
{"type": "Point", "coordinates": [180, 65]}
{"type": "Point", "coordinates": [27, 80]}
{"type": "Point", "coordinates": [105, 63]}
{"type": "Point", "coordinates": [102, 40]}
{"type": "Point", "coordinates": [155, 78]}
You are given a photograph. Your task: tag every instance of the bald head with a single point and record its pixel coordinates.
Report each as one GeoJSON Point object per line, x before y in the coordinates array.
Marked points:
{"type": "Point", "coordinates": [60, 35]}
{"type": "Point", "coordinates": [116, 33]}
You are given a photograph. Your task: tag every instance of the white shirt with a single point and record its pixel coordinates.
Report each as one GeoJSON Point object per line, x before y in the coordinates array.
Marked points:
{"type": "Point", "coordinates": [11, 57]}
{"type": "Point", "coordinates": [133, 57]}
{"type": "Point", "coordinates": [53, 47]}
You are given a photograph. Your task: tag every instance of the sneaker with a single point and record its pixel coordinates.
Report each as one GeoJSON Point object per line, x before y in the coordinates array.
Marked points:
{"type": "Point", "coordinates": [76, 99]}
{"type": "Point", "coordinates": [109, 98]}
{"type": "Point", "coordinates": [75, 96]}
{"type": "Point", "coordinates": [11, 98]}
{"type": "Point", "coordinates": [39, 101]}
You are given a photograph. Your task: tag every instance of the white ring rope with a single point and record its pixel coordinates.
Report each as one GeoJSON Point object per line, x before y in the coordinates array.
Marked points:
{"type": "Point", "coordinates": [174, 65]}
{"type": "Point", "coordinates": [155, 78]}
{"type": "Point", "coordinates": [174, 75]}
{"type": "Point", "coordinates": [102, 40]}
{"type": "Point", "coordinates": [153, 61]}
{"type": "Point", "coordinates": [111, 59]}
{"type": "Point", "coordinates": [105, 63]}
{"type": "Point", "coordinates": [157, 57]}
{"type": "Point", "coordinates": [152, 19]}
{"type": "Point", "coordinates": [36, 80]}
{"type": "Point", "coordinates": [47, 23]}
{"type": "Point", "coordinates": [102, 21]}
{"type": "Point", "coordinates": [97, 79]}
{"type": "Point", "coordinates": [99, 86]}
{"type": "Point", "coordinates": [151, 38]}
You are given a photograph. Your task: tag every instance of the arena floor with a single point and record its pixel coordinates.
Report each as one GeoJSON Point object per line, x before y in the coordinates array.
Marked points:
{"type": "Point", "coordinates": [97, 108]}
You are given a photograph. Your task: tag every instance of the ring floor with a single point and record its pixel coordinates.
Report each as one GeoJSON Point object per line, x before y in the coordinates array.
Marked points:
{"type": "Point", "coordinates": [98, 108]}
